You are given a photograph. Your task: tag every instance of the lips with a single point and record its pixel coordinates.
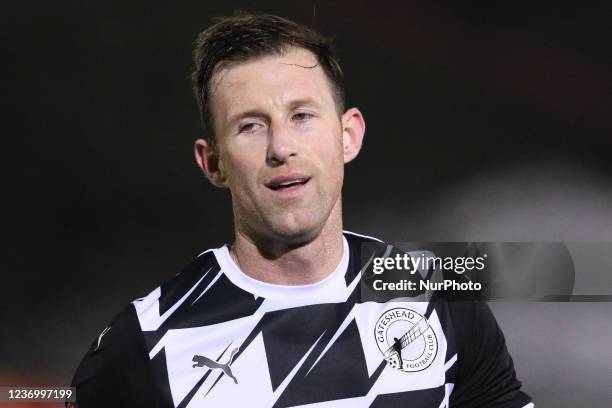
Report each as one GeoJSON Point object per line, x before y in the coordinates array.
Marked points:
{"type": "Point", "coordinates": [287, 181]}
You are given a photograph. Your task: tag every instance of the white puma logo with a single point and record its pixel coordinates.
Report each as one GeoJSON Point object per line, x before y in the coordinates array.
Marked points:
{"type": "Point", "coordinates": [201, 361]}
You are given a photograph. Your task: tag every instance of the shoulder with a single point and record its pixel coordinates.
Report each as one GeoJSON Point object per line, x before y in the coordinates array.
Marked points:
{"type": "Point", "coordinates": [484, 373]}
{"type": "Point", "coordinates": [365, 245]}
{"type": "Point", "coordinates": [167, 293]}
{"type": "Point", "coordinates": [120, 336]}
{"type": "Point", "coordinates": [116, 367]}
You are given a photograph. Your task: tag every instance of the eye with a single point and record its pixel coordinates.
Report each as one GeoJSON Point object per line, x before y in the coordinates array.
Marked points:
{"type": "Point", "coordinates": [247, 127]}
{"type": "Point", "coordinates": [301, 116]}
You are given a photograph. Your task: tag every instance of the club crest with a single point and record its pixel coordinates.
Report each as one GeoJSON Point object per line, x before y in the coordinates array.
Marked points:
{"type": "Point", "coordinates": [406, 340]}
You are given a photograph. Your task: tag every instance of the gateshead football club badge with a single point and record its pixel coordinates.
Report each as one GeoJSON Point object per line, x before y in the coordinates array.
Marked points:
{"type": "Point", "coordinates": [406, 340]}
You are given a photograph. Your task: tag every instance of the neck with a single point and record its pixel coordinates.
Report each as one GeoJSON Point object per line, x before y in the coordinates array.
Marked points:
{"type": "Point", "coordinates": [283, 263]}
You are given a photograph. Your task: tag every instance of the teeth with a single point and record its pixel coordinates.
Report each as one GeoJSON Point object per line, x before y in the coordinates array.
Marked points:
{"type": "Point", "coordinates": [289, 183]}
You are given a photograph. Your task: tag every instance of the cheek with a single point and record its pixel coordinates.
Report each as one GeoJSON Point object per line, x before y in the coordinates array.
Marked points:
{"type": "Point", "coordinates": [242, 174]}
{"type": "Point", "coordinates": [331, 152]}
{"type": "Point", "coordinates": [325, 141]}
{"type": "Point", "coordinates": [238, 173]}
{"type": "Point", "coordinates": [330, 157]}
{"type": "Point", "coordinates": [243, 158]}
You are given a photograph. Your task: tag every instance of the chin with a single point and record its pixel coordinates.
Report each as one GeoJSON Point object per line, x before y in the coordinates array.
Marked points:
{"type": "Point", "coordinates": [295, 232]}
{"type": "Point", "coordinates": [294, 236]}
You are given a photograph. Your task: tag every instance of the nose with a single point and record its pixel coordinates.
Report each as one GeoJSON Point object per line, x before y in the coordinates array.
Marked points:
{"type": "Point", "coordinates": [282, 144]}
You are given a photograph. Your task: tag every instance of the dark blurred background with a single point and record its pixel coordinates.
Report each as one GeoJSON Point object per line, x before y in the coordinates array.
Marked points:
{"type": "Point", "coordinates": [486, 120]}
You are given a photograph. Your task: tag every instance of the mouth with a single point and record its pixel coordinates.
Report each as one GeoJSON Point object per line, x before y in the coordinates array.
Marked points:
{"type": "Point", "coordinates": [287, 183]}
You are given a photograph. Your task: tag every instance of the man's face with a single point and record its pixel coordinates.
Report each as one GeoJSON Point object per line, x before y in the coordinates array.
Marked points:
{"type": "Point", "coordinates": [280, 145]}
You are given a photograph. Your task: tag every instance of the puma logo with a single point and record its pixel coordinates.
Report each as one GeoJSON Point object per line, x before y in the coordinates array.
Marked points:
{"type": "Point", "coordinates": [201, 361]}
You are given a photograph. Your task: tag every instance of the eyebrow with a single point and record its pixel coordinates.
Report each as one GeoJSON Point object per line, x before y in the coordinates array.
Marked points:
{"type": "Point", "coordinates": [304, 102]}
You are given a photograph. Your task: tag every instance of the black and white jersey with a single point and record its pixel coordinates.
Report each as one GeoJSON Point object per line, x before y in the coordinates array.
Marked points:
{"type": "Point", "coordinates": [214, 337]}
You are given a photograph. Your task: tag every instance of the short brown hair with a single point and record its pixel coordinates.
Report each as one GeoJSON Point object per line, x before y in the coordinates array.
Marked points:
{"type": "Point", "coordinates": [245, 37]}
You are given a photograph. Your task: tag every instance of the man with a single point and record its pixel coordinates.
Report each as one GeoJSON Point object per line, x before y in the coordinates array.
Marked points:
{"type": "Point", "coordinates": [277, 318]}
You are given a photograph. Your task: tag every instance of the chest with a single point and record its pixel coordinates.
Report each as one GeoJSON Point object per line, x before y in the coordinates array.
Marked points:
{"type": "Point", "coordinates": [328, 355]}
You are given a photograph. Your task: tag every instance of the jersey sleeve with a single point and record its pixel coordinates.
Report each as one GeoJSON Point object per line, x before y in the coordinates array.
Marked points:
{"type": "Point", "coordinates": [486, 375]}
{"type": "Point", "coordinates": [116, 370]}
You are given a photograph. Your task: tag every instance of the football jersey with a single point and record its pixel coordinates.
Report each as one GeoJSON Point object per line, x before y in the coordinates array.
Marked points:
{"type": "Point", "coordinates": [214, 337]}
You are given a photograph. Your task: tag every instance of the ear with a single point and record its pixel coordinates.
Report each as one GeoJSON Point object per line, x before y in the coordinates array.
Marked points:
{"type": "Point", "coordinates": [207, 157]}
{"type": "Point", "coordinates": [353, 129]}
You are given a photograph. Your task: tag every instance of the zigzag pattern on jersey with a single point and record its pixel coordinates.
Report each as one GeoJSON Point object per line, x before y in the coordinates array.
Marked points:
{"type": "Point", "coordinates": [288, 335]}
{"type": "Point", "coordinates": [223, 301]}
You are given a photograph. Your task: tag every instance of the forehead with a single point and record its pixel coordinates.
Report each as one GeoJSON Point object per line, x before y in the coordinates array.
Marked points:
{"type": "Point", "coordinates": [269, 81]}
